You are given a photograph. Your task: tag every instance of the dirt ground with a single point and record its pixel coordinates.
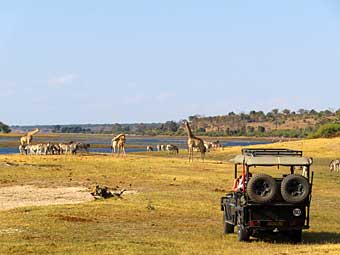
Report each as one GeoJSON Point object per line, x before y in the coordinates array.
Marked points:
{"type": "Point", "coordinates": [30, 195]}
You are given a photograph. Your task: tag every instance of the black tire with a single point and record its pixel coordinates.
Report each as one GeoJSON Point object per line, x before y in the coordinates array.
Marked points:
{"type": "Point", "coordinates": [227, 228]}
{"type": "Point", "coordinates": [295, 236]}
{"type": "Point", "coordinates": [242, 235]}
{"type": "Point", "coordinates": [262, 188]}
{"type": "Point", "coordinates": [295, 188]}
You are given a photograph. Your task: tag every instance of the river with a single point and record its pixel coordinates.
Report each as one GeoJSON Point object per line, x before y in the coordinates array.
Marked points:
{"type": "Point", "coordinates": [134, 144]}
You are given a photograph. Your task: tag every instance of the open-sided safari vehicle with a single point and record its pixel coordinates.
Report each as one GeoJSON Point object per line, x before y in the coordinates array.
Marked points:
{"type": "Point", "coordinates": [262, 205]}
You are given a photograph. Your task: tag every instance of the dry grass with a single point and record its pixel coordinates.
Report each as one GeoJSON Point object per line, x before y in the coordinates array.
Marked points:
{"type": "Point", "coordinates": [175, 210]}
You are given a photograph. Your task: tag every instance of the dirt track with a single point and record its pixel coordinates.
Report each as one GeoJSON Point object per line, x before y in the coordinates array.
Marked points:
{"type": "Point", "coordinates": [29, 195]}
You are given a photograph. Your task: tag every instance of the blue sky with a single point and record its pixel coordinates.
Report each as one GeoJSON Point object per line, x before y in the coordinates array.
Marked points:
{"type": "Point", "coordinates": [149, 61]}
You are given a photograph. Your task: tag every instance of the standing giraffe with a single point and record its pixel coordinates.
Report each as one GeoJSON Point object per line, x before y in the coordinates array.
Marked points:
{"type": "Point", "coordinates": [194, 142]}
{"type": "Point", "coordinates": [26, 139]}
{"type": "Point", "coordinates": [119, 143]}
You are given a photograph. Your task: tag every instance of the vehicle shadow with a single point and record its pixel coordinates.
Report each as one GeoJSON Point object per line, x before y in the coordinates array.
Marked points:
{"type": "Point", "coordinates": [307, 238]}
{"type": "Point", "coordinates": [321, 237]}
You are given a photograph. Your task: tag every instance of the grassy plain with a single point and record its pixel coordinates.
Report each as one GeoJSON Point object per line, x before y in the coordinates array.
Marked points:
{"type": "Point", "coordinates": [175, 210]}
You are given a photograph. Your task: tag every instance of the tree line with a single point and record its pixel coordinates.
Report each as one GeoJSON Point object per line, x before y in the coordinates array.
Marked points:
{"type": "Point", "coordinates": [298, 124]}
{"type": "Point", "coordinates": [275, 123]}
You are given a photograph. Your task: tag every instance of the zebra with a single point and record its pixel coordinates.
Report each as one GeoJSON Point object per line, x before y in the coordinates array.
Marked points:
{"type": "Point", "coordinates": [334, 165]}
{"type": "Point", "coordinates": [172, 148]}
{"type": "Point", "coordinates": [83, 147]}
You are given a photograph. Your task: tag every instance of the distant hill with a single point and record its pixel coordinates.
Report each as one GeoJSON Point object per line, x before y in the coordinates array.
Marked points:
{"type": "Point", "coordinates": [286, 123]}
{"type": "Point", "coordinates": [257, 123]}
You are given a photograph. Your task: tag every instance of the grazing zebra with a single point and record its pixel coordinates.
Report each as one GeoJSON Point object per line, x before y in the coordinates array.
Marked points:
{"type": "Point", "coordinates": [22, 149]}
{"type": "Point", "coordinates": [216, 144]}
{"type": "Point", "coordinates": [207, 145]}
{"type": "Point", "coordinates": [172, 148]}
{"type": "Point", "coordinates": [68, 148]}
{"type": "Point", "coordinates": [83, 147]}
{"type": "Point", "coordinates": [304, 168]}
{"type": "Point", "coordinates": [334, 165]}
{"type": "Point", "coordinates": [149, 148]}
{"type": "Point", "coordinates": [163, 147]}
{"type": "Point", "coordinates": [33, 149]}
{"type": "Point", "coordinates": [159, 148]}
{"type": "Point", "coordinates": [36, 149]}
{"type": "Point", "coordinates": [55, 149]}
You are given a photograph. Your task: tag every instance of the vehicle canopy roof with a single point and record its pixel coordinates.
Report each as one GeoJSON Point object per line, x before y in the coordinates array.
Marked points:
{"type": "Point", "coordinates": [271, 157]}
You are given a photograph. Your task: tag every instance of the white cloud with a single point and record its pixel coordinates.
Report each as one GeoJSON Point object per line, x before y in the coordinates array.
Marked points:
{"type": "Point", "coordinates": [62, 80]}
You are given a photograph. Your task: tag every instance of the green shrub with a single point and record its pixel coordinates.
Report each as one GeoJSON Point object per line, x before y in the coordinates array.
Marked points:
{"type": "Point", "coordinates": [327, 130]}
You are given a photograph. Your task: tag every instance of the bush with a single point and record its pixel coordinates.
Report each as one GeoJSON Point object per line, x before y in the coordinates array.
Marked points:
{"type": "Point", "coordinates": [327, 130]}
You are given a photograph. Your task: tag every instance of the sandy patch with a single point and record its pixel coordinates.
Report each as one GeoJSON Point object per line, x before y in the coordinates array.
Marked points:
{"type": "Point", "coordinates": [29, 195]}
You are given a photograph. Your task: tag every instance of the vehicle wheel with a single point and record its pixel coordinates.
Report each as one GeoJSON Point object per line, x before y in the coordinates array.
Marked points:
{"type": "Point", "coordinates": [262, 188]}
{"type": "Point", "coordinates": [296, 236]}
{"type": "Point", "coordinates": [242, 235]}
{"type": "Point", "coordinates": [295, 188]}
{"type": "Point", "coordinates": [227, 228]}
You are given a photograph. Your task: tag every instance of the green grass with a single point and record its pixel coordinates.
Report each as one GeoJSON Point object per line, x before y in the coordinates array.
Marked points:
{"type": "Point", "coordinates": [175, 210]}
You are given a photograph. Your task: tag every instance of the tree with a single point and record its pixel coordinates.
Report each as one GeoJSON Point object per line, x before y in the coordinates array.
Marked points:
{"type": "Point", "coordinates": [313, 112]}
{"type": "Point", "coordinates": [286, 111]}
{"type": "Point", "coordinates": [261, 129]}
{"type": "Point", "coordinates": [275, 111]}
{"type": "Point", "coordinates": [56, 129]}
{"type": "Point", "coordinates": [302, 111]}
{"type": "Point", "coordinates": [328, 112]}
{"type": "Point", "coordinates": [170, 126]}
{"type": "Point", "coordinates": [250, 129]}
{"type": "Point", "coordinates": [270, 116]}
{"type": "Point", "coordinates": [4, 128]}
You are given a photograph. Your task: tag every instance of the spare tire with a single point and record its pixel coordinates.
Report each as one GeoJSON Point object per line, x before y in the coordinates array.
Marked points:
{"type": "Point", "coordinates": [295, 188]}
{"type": "Point", "coordinates": [262, 188]}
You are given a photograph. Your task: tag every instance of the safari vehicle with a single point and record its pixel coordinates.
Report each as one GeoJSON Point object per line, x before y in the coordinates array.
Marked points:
{"type": "Point", "coordinates": [261, 205]}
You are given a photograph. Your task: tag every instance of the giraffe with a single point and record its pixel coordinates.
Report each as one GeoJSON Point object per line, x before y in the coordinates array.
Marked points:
{"type": "Point", "coordinates": [194, 142]}
{"type": "Point", "coordinates": [119, 143]}
{"type": "Point", "coordinates": [26, 139]}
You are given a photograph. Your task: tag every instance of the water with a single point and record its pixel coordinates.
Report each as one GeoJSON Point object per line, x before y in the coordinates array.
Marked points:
{"type": "Point", "coordinates": [9, 150]}
{"type": "Point", "coordinates": [139, 143]}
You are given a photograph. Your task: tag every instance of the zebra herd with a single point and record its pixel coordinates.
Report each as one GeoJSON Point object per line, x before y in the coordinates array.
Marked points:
{"type": "Point", "coordinates": [212, 145]}
{"type": "Point", "coordinates": [171, 148]}
{"type": "Point", "coordinates": [53, 148]}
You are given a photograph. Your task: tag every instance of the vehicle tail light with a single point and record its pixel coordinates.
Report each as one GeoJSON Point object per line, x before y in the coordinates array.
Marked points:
{"type": "Point", "coordinates": [253, 223]}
